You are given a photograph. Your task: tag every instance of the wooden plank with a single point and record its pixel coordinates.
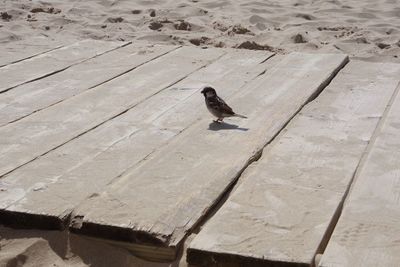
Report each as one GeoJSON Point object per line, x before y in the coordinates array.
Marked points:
{"type": "Point", "coordinates": [17, 51]}
{"type": "Point", "coordinates": [34, 96]}
{"type": "Point", "coordinates": [282, 210]}
{"type": "Point", "coordinates": [367, 233]}
{"type": "Point", "coordinates": [33, 136]}
{"type": "Point", "coordinates": [116, 146]}
{"type": "Point", "coordinates": [158, 202]}
{"type": "Point", "coordinates": [52, 62]}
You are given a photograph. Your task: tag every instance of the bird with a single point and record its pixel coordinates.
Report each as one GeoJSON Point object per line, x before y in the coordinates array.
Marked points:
{"type": "Point", "coordinates": [217, 106]}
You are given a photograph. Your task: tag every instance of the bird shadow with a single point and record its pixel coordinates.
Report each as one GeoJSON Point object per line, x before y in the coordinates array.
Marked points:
{"type": "Point", "coordinates": [217, 126]}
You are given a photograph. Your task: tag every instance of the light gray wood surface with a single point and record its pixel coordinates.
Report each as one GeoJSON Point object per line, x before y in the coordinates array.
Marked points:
{"type": "Point", "coordinates": [19, 50]}
{"type": "Point", "coordinates": [85, 165]}
{"type": "Point", "coordinates": [51, 62]}
{"type": "Point", "coordinates": [161, 199]}
{"type": "Point", "coordinates": [115, 141]}
{"type": "Point", "coordinates": [283, 208]}
{"type": "Point", "coordinates": [34, 96]}
{"type": "Point", "coordinates": [368, 231]}
{"type": "Point", "coordinates": [43, 131]}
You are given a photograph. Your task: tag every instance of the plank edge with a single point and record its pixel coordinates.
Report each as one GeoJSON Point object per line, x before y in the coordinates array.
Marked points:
{"type": "Point", "coordinates": [204, 258]}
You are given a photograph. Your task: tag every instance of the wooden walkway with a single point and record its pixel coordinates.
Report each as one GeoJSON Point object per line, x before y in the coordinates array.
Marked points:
{"type": "Point", "coordinates": [111, 140]}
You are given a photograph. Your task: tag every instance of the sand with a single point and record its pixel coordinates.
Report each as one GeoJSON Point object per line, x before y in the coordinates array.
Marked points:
{"type": "Point", "coordinates": [34, 248]}
{"type": "Point", "coordinates": [362, 29]}
{"type": "Point", "coordinates": [367, 30]}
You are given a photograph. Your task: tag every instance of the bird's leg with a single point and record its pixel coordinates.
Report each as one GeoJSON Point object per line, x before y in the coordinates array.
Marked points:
{"type": "Point", "coordinates": [219, 120]}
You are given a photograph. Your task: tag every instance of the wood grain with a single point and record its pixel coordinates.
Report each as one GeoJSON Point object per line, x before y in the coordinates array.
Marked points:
{"type": "Point", "coordinates": [284, 205]}
{"type": "Point", "coordinates": [159, 201]}
{"type": "Point", "coordinates": [52, 62]}
{"type": "Point", "coordinates": [19, 50]}
{"type": "Point", "coordinates": [367, 233]}
{"type": "Point", "coordinates": [87, 164]}
{"type": "Point", "coordinates": [38, 95]}
{"type": "Point", "coordinates": [29, 138]}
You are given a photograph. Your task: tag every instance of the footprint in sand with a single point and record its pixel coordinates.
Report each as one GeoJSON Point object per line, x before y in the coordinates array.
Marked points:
{"type": "Point", "coordinates": [256, 19]}
{"type": "Point", "coordinates": [254, 46]}
{"type": "Point", "coordinates": [183, 26]}
{"type": "Point", "coordinates": [49, 10]}
{"type": "Point", "coordinates": [199, 41]}
{"type": "Point", "coordinates": [305, 16]}
{"type": "Point", "coordinates": [115, 20]}
{"type": "Point", "coordinates": [5, 16]}
{"type": "Point", "coordinates": [383, 45]}
{"type": "Point", "coordinates": [299, 39]}
{"type": "Point", "coordinates": [155, 25]}
{"type": "Point", "coordinates": [239, 29]}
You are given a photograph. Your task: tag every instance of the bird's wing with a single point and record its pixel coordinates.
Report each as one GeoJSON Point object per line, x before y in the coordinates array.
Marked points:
{"type": "Point", "coordinates": [223, 107]}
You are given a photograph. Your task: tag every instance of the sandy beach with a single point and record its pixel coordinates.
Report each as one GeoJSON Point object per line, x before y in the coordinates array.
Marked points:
{"type": "Point", "coordinates": [362, 29]}
{"type": "Point", "coordinates": [367, 30]}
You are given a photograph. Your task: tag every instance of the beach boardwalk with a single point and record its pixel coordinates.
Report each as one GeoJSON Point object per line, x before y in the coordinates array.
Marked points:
{"type": "Point", "coordinates": [112, 141]}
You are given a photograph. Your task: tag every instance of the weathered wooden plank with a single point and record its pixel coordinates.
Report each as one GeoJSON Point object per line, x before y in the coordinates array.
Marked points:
{"type": "Point", "coordinates": [280, 213]}
{"type": "Point", "coordinates": [116, 146]}
{"type": "Point", "coordinates": [31, 97]}
{"type": "Point", "coordinates": [17, 51]}
{"type": "Point", "coordinates": [52, 62]}
{"type": "Point", "coordinates": [160, 200]}
{"type": "Point", "coordinates": [367, 233]}
{"type": "Point", "coordinates": [35, 135]}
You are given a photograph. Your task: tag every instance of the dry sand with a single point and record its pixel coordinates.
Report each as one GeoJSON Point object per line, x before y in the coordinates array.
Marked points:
{"type": "Point", "coordinates": [36, 248]}
{"type": "Point", "coordinates": [24, 247]}
{"type": "Point", "coordinates": [366, 29]}
{"type": "Point", "coordinates": [361, 28]}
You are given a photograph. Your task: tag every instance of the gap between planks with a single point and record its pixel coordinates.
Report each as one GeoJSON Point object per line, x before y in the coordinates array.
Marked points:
{"type": "Point", "coordinates": [157, 253]}
{"type": "Point", "coordinates": [127, 108]}
{"type": "Point", "coordinates": [33, 55]}
{"type": "Point", "coordinates": [360, 166]}
{"type": "Point", "coordinates": [59, 69]}
{"type": "Point", "coordinates": [313, 96]}
{"type": "Point", "coordinates": [256, 74]}
{"type": "Point", "coordinates": [92, 86]}
{"type": "Point", "coordinates": [192, 79]}
{"type": "Point", "coordinates": [36, 45]}
{"type": "Point", "coordinates": [384, 107]}
{"type": "Point", "coordinates": [103, 228]}
{"type": "Point", "coordinates": [236, 182]}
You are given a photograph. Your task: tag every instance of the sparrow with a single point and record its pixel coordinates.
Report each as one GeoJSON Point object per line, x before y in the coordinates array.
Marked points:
{"type": "Point", "coordinates": [217, 106]}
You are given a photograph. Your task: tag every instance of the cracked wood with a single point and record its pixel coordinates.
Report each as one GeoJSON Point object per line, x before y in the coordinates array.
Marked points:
{"type": "Point", "coordinates": [367, 233]}
{"type": "Point", "coordinates": [290, 197]}
{"type": "Point", "coordinates": [29, 138]}
{"type": "Point", "coordinates": [85, 165]}
{"type": "Point", "coordinates": [35, 96]}
{"type": "Point", "coordinates": [52, 62]}
{"type": "Point", "coordinates": [159, 201]}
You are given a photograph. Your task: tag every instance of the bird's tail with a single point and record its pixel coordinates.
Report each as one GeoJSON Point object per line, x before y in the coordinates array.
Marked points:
{"type": "Point", "coordinates": [240, 116]}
